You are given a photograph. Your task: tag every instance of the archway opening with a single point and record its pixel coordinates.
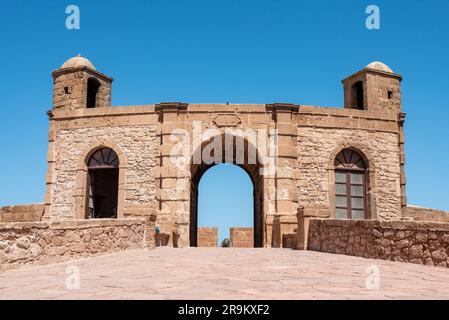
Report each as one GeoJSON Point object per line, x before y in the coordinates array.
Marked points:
{"type": "Point", "coordinates": [102, 184]}
{"type": "Point", "coordinates": [225, 201]}
{"type": "Point", "coordinates": [252, 169]}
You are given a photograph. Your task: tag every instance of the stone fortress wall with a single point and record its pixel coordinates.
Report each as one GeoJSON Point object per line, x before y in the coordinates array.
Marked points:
{"type": "Point", "coordinates": [207, 237]}
{"type": "Point", "coordinates": [415, 213]}
{"type": "Point", "coordinates": [406, 241]}
{"type": "Point", "coordinates": [242, 237]}
{"type": "Point", "coordinates": [307, 137]}
{"type": "Point", "coordinates": [22, 213]}
{"type": "Point", "coordinates": [164, 194]}
{"type": "Point", "coordinates": [35, 243]}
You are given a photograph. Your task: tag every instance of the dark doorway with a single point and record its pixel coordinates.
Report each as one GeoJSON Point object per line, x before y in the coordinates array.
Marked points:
{"type": "Point", "coordinates": [102, 184]}
{"type": "Point", "coordinates": [93, 85]}
{"type": "Point", "coordinates": [358, 96]}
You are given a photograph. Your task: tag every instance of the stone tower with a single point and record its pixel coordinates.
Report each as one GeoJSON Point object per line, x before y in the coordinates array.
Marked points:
{"type": "Point", "coordinates": [375, 88]}
{"type": "Point", "coordinates": [77, 85]}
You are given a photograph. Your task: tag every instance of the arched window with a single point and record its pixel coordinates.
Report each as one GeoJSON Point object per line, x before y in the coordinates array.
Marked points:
{"type": "Point", "coordinates": [350, 185]}
{"type": "Point", "coordinates": [357, 96]}
{"type": "Point", "coordinates": [92, 90]}
{"type": "Point", "coordinates": [102, 184]}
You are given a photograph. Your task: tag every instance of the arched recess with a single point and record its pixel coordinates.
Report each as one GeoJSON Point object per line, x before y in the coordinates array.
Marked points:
{"type": "Point", "coordinates": [81, 196]}
{"type": "Point", "coordinates": [252, 168]}
{"type": "Point", "coordinates": [369, 178]}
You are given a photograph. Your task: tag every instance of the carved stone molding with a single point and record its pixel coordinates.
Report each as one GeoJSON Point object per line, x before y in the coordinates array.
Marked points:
{"type": "Point", "coordinates": [227, 120]}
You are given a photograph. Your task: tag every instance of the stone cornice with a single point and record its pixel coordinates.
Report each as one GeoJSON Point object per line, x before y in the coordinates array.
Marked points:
{"type": "Point", "coordinates": [171, 106]}
{"type": "Point", "coordinates": [59, 72]}
{"type": "Point", "coordinates": [280, 106]}
{"type": "Point", "coordinates": [374, 71]}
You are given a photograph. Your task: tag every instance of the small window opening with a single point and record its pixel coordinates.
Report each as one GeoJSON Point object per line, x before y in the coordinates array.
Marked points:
{"type": "Point", "coordinates": [92, 90]}
{"type": "Point", "coordinates": [390, 94]}
{"type": "Point", "coordinates": [66, 90]}
{"type": "Point", "coordinates": [357, 96]}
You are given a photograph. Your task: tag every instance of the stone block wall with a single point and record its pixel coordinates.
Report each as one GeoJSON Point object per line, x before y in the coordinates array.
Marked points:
{"type": "Point", "coordinates": [69, 89]}
{"type": "Point", "coordinates": [242, 237]}
{"type": "Point", "coordinates": [138, 145]}
{"type": "Point", "coordinates": [26, 244]}
{"type": "Point", "coordinates": [416, 242]}
{"type": "Point", "coordinates": [207, 237]}
{"type": "Point", "coordinates": [425, 214]}
{"type": "Point", "coordinates": [290, 240]}
{"type": "Point", "coordinates": [317, 148]}
{"type": "Point", "coordinates": [22, 213]}
{"type": "Point", "coordinates": [149, 181]}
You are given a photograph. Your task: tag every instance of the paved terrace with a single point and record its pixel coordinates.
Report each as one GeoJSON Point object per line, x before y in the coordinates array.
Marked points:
{"type": "Point", "coordinates": [226, 273]}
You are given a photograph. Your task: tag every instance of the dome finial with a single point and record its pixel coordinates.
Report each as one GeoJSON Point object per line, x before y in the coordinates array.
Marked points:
{"type": "Point", "coordinates": [377, 65]}
{"type": "Point", "coordinates": [78, 61]}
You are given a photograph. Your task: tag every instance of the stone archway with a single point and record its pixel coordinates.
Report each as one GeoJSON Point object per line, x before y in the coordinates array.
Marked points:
{"type": "Point", "coordinates": [252, 168]}
{"type": "Point", "coordinates": [185, 130]}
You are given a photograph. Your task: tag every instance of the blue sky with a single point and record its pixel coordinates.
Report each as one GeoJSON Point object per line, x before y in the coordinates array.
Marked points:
{"type": "Point", "coordinates": [225, 199]}
{"type": "Point", "coordinates": [241, 51]}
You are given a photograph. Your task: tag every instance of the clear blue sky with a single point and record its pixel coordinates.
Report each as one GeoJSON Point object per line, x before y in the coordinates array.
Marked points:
{"type": "Point", "coordinates": [241, 51]}
{"type": "Point", "coordinates": [225, 199]}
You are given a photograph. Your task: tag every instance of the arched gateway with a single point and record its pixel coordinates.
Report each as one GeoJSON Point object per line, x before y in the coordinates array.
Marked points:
{"type": "Point", "coordinates": [291, 152]}
{"type": "Point", "coordinates": [237, 150]}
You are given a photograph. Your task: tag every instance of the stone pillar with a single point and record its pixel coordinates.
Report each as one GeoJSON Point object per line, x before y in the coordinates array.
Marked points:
{"type": "Point", "coordinates": [50, 160]}
{"type": "Point", "coordinates": [286, 200]}
{"type": "Point", "coordinates": [172, 180]}
{"type": "Point", "coordinates": [401, 120]}
{"type": "Point", "coordinates": [303, 229]}
{"type": "Point", "coordinates": [149, 234]}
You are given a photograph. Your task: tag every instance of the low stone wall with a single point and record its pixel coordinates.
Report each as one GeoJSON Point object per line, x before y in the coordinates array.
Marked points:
{"type": "Point", "coordinates": [22, 213]}
{"type": "Point", "coordinates": [416, 242]}
{"type": "Point", "coordinates": [426, 214]}
{"type": "Point", "coordinates": [26, 244]}
{"type": "Point", "coordinates": [242, 237]}
{"type": "Point", "coordinates": [290, 240]}
{"type": "Point", "coordinates": [207, 237]}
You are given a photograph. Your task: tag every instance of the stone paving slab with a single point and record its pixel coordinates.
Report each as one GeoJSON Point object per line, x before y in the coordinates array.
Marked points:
{"type": "Point", "coordinates": [227, 273]}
